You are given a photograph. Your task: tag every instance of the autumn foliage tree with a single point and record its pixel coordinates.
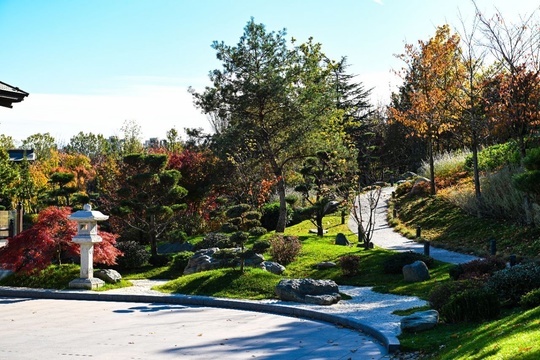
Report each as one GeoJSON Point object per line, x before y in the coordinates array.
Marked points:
{"type": "Point", "coordinates": [432, 82]}
{"type": "Point", "coordinates": [49, 242]}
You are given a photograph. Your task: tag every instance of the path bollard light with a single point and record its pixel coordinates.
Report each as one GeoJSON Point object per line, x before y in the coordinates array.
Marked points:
{"type": "Point", "coordinates": [86, 237]}
{"type": "Point", "coordinates": [418, 232]}
{"type": "Point", "coordinates": [493, 247]}
{"type": "Point", "coordinates": [427, 244]}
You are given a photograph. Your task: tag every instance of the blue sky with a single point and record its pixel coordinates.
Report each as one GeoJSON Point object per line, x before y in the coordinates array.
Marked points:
{"type": "Point", "coordinates": [91, 65]}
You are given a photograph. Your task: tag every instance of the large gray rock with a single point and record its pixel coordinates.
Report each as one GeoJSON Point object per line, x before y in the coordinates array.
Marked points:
{"type": "Point", "coordinates": [420, 321]}
{"type": "Point", "coordinates": [204, 260]}
{"type": "Point", "coordinates": [273, 267]}
{"type": "Point", "coordinates": [342, 240]}
{"type": "Point", "coordinates": [320, 292]}
{"type": "Point", "coordinates": [416, 272]}
{"type": "Point", "coordinates": [108, 275]}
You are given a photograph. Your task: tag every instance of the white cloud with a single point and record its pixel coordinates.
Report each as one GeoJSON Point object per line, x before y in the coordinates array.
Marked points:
{"type": "Point", "coordinates": [156, 109]}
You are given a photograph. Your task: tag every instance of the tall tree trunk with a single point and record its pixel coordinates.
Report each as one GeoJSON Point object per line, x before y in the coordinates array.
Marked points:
{"type": "Point", "coordinates": [153, 239]}
{"type": "Point", "coordinates": [476, 174]}
{"type": "Point", "coordinates": [282, 219]}
{"type": "Point", "coordinates": [431, 167]}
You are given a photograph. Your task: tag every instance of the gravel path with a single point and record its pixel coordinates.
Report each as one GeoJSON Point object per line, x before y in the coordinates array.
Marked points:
{"type": "Point", "coordinates": [385, 237]}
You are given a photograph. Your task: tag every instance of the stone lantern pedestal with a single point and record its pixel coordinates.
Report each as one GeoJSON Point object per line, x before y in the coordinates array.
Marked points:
{"type": "Point", "coordinates": [86, 237]}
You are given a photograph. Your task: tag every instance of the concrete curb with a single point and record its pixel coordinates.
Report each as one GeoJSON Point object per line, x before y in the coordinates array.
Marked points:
{"type": "Point", "coordinates": [390, 342]}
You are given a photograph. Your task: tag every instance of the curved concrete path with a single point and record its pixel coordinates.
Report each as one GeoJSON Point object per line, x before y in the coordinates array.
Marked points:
{"type": "Point", "coordinates": [385, 237]}
{"type": "Point", "coordinates": [67, 329]}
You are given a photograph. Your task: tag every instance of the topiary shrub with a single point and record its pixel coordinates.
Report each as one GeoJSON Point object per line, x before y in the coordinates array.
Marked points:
{"type": "Point", "coordinates": [270, 215]}
{"type": "Point", "coordinates": [160, 260]}
{"type": "Point", "coordinates": [180, 260]}
{"type": "Point", "coordinates": [176, 236]}
{"type": "Point", "coordinates": [257, 231]}
{"type": "Point", "coordinates": [394, 264]}
{"type": "Point", "coordinates": [284, 249]}
{"type": "Point", "coordinates": [441, 293]}
{"type": "Point", "coordinates": [530, 300]}
{"type": "Point", "coordinates": [471, 305]}
{"type": "Point", "coordinates": [512, 283]}
{"type": "Point", "coordinates": [350, 264]}
{"type": "Point", "coordinates": [211, 240]}
{"type": "Point", "coordinates": [135, 255]}
{"type": "Point", "coordinates": [260, 246]}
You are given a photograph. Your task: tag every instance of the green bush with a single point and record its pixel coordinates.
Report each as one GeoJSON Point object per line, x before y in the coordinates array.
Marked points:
{"type": "Point", "coordinates": [135, 255]}
{"type": "Point", "coordinates": [404, 188]}
{"type": "Point", "coordinates": [512, 283]}
{"type": "Point", "coordinates": [441, 293]}
{"type": "Point", "coordinates": [284, 249]}
{"type": "Point", "coordinates": [180, 260]}
{"type": "Point", "coordinates": [495, 157]}
{"type": "Point", "coordinates": [530, 300]}
{"type": "Point", "coordinates": [176, 236]}
{"type": "Point", "coordinates": [471, 305]}
{"type": "Point", "coordinates": [394, 264]}
{"type": "Point", "coordinates": [270, 215]}
{"type": "Point", "coordinates": [260, 246]}
{"type": "Point", "coordinates": [211, 240]}
{"type": "Point", "coordinates": [350, 264]}
{"type": "Point", "coordinates": [160, 260]}
{"type": "Point", "coordinates": [257, 231]}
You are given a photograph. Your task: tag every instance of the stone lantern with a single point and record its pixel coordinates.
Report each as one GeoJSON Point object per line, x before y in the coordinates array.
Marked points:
{"type": "Point", "coordinates": [86, 237]}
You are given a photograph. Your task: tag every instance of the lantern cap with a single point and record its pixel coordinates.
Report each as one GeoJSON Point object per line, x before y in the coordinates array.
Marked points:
{"type": "Point", "coordinates": [87, 215]}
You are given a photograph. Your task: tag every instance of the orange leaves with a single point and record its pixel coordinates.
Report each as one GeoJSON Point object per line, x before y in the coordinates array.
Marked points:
{"type": "Point", "coordinates": [432, 81]}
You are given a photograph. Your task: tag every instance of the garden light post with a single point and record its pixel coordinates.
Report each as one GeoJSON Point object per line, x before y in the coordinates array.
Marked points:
{"type": "Point", "coordinates": [86, 237]}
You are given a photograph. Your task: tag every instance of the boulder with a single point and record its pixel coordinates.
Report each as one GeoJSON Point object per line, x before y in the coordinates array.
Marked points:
{"type": "Point", "coordinates": [204, 260]}
{"type": "Point", "coordinates": [110, 276]}
{"type": "Point", "coordinates": [273, 267]}
{"type": "Point", "coordinates": [319, 292]}
{"type": "Point", "coordinates": [420, 321]}
{"type": "Point", "coordinates": [342, 240]}
{"type": "Point", "coordinates": [314, 231]}
{"type": "Point", "coordinates": [325, 265]}
{"type": "Point", "coordinates": [416, 272]}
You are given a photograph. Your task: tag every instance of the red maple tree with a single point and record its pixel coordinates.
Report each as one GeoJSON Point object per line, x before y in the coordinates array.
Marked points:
{"type": "Point", "coordinates": [49, 242]}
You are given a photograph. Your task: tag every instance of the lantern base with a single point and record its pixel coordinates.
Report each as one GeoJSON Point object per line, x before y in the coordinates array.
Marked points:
{"type": "Point", "coordinates": [89, 284]}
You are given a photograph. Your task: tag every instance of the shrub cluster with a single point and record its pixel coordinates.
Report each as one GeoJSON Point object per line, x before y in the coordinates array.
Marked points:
{"type": "Point", "coordinates": [394, 264]}
{"type": "Point", "coordinates": [135, 255]}
{"type": "Point", "coordinates": [270, 215]}
{"type": "Point", "coordinates": [180, 260]}
{"type": "Point", "coordinates": [211, 240]}
{"type": "Point", "coordinates": [284, 249]}
{"type": "Point", "coordinates": [260, 246]}
{"type": "Point", "coordinates": [531, 299]}
{"type": "Point", "coordinates": [477, 269]}
{"type": "Point", "coordinates": [471, 305]}
{"type": "Point", "coordinates": [350, 264]}
{"type": "Point", "coordinates": [440, 294]}
{"type": "Point", "coordinates": [404, 188]}
{"type": "Point", "coordinates": [160, 259]}
{"type": "Point", "coordinates": [257, 231]}
{"type": "Point", "coordinates": [512, 283]}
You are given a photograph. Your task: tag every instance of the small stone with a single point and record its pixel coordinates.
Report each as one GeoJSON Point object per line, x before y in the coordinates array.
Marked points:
{"type": "Point", "coordinates": [108, 275]}
{"type": "Point", "coordinates": [325, 265]}
{"type": "Point", "coordinates": [342, 240]}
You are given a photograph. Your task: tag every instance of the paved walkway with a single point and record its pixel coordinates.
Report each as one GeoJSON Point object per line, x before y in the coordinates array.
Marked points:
{"type": "Point", "coordinates": [385, 237]}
